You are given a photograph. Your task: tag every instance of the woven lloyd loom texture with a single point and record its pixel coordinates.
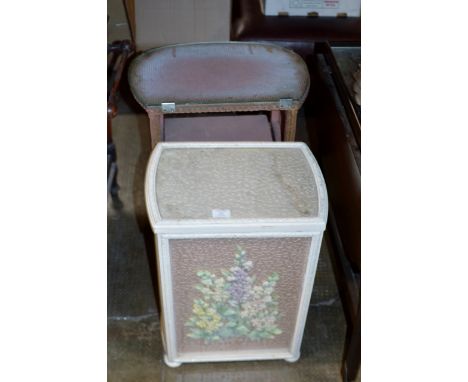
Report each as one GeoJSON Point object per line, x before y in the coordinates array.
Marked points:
{"type": "Point", "coordinates": [267, 256]}
{"type": "Point", "coordinates": [250, 182]}
{"type": "Point", "coordinates": [218, 73]}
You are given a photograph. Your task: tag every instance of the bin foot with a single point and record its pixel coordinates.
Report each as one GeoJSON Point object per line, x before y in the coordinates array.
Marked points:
{"type": "Point", "coordinates": [293, 359]}
{"type": "Point", "coordinates": [171, 363]}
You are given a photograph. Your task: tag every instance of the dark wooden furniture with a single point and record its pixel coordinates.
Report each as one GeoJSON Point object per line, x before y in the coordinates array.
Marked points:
{"type": "Point", "coordinates": [336, 125]}
{"type": "Point", "coordinates": [118, 53]}
{"type": "Point", "coordinates": [296, 32]}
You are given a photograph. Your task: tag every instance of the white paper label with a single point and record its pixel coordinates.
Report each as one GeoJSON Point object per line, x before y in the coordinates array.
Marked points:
{"type": "Point", "coordinates": [216, 213]}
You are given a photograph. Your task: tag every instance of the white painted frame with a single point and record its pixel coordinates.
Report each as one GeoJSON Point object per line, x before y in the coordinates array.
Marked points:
{"type": "Point", "coordinates": [232, 228]}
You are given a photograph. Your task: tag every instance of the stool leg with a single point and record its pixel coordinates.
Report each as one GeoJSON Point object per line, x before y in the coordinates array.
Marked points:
{"type": "Point", "coordinates": [275, 119]}
{"type": "Point", "coordinates": [155, 127]}
{"type": "Point", "coordinates": [290, 125]}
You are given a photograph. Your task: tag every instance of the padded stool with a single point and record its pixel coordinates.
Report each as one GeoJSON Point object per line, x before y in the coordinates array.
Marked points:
{"type": "Point", "coordinates": [221, 80]}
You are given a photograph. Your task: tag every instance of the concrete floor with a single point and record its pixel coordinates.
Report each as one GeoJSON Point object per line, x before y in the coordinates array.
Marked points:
{"type": "Point", "coordinates": [134, 341]}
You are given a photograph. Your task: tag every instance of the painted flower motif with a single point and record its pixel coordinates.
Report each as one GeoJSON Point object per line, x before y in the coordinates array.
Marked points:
{"type": "Point", "coordinates": [233, 305]}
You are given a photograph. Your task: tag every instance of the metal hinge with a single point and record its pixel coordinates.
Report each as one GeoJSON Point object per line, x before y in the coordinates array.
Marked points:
{"type": "Point", "coordinates": [168, 107]}
{"type": "Point", "coordinates": [285, 103]}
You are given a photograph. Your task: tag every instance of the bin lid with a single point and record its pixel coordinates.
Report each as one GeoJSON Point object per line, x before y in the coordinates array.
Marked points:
{"type": "Point", "coordinates": [234, 183]}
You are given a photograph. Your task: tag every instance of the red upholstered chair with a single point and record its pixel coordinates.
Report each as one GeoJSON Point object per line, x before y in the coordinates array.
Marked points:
{"type": "Point", "coordinates": [222, 91]}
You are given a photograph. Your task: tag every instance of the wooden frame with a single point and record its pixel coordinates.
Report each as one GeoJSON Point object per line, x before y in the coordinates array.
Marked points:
{"type": "Point", "coordinates": [167, 230]}
{"type": "Point", "coordinates": [340, 157]}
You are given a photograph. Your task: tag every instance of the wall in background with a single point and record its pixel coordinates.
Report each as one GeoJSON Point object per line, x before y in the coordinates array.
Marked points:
{"type": "Point", "coordinates": [117, 27]}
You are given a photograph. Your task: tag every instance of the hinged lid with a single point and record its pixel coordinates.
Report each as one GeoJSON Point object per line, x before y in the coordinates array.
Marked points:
{"type": "Point", "coordinates": [219, 75]}
{"type": "Point", "coordinates": [214, 187]}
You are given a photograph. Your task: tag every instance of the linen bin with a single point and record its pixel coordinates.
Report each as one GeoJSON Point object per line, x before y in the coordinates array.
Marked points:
{"type": "Point", "coordinates": [238, 229]}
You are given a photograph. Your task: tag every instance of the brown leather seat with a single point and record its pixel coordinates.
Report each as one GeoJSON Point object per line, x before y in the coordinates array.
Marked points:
{"type": "Point", "coordinates": [222, 77]}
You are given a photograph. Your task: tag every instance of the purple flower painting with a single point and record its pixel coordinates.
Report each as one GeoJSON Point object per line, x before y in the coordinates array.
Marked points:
{"type": "Point", "coordinates": [233, 305]}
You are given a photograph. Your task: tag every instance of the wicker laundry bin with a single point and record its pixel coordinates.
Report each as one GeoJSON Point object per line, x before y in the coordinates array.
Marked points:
{"type": "Point", "coordinates": [238, 228]}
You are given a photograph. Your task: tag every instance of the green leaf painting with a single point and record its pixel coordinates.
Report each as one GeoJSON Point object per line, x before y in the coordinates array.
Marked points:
{"type": "Point", "coordinates": [233, 305]}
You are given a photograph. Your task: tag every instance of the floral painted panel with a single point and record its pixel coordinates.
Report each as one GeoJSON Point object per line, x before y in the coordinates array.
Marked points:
{"type": "Point", "coordinates": [207, 273]}
{"type": "Point", "coordinates": [234, 304]}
